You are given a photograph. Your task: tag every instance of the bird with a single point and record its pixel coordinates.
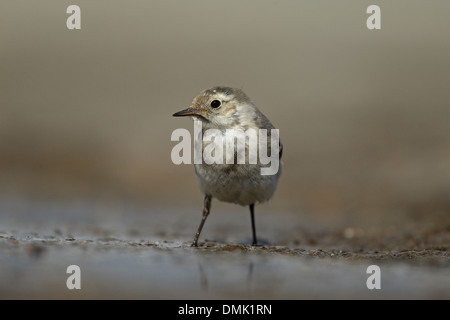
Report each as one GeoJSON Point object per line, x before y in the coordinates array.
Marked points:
{"type": "Point", "coordinates": [224, 108]}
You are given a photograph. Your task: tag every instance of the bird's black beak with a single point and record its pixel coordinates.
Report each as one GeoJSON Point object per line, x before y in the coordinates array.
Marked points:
{"type": "Point", "coordinates": [199, 113]}
{"type": "Point", "coordinates": [185, 112]}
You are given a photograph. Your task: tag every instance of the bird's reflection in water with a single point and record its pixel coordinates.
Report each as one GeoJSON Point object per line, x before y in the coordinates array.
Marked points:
{"type": "Point", "coordinates": [204, 277]}
{"type": "Point", "coordinates": [250, 275]}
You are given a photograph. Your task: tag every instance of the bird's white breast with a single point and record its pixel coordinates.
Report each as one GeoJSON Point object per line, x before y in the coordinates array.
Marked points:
{"type": "Point", "coordinates": [238, 183]}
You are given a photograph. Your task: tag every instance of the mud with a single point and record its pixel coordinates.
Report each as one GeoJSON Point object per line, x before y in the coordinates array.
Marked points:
{"type": "Point", "coordinates": [145, 253]}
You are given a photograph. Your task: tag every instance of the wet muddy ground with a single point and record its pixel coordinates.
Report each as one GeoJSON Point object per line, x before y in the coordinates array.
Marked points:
{"type": "Point", "coordinates": [131, 252]}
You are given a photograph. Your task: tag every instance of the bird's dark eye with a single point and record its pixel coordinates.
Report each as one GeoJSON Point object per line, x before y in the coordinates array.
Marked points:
{"type": "Point", "coordinates": [215, 104]}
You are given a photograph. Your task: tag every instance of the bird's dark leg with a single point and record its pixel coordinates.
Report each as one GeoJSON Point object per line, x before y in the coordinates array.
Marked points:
{"type": "Point", "coordinates": [252, 214]}
{"type": "Point", "coordinates": [206, 209]}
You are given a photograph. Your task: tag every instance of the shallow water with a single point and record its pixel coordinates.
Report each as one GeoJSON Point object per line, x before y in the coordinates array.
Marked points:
{"type": "Point", "coordinates": [144, 253]}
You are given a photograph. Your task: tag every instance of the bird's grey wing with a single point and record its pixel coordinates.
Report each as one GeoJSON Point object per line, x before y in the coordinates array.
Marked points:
{"type": "Point", "coordinates": [281, 150]}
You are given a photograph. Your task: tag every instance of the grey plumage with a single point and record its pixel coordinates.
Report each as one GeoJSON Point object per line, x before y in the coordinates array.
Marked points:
{"type": "Point", "coordinates": [236, 183]}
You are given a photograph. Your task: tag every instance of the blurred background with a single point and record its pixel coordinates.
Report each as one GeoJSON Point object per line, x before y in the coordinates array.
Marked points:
{"type": "Point", "coordinates": [363, 115]}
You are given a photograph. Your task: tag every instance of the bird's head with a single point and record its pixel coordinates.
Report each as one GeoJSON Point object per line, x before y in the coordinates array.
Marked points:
{"type": "Point", "coordinates": [220, 107]}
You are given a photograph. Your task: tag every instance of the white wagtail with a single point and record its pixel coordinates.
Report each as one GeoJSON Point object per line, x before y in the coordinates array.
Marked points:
{"type": "Point", "coordinates": [225, 108]}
